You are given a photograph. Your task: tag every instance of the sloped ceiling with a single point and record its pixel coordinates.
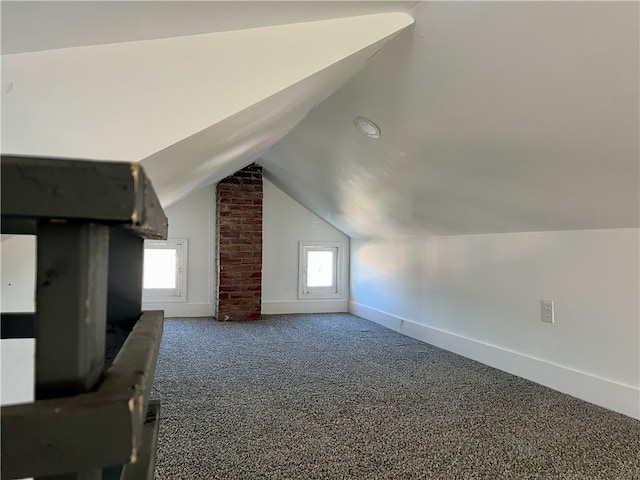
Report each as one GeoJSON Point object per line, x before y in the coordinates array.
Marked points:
{"type": "Point", "coordinates": [192, 108]}
{"type": "Point", "coordinates": [495, 116]}
{"type": "Point", "coordinates": [44, 25]}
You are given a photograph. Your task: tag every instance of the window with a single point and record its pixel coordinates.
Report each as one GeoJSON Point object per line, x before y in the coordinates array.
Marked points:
{"type": "Point", "coordinates": [320, 270]}
{"type": "Point", "coordinates": [164, 274]}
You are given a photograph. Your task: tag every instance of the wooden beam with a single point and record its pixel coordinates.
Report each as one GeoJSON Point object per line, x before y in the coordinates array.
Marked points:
{"type": "Point", "coordinates": [91, 430]}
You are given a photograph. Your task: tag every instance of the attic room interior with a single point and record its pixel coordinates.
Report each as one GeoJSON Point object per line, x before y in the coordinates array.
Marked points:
{"type": "Point", "coordinates": [465, 176]}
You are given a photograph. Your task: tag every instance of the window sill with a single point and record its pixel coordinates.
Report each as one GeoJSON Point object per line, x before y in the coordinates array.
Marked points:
{"type": "Point", "coordinates": [319, 296]}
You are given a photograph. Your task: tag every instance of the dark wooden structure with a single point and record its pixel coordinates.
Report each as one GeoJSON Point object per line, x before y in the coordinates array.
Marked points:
{"type": "Point", "coordinates": [95, 349]}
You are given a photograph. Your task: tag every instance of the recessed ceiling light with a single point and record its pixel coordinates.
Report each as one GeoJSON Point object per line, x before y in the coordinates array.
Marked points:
{"type": "Point", "coordinates": [367, 127]}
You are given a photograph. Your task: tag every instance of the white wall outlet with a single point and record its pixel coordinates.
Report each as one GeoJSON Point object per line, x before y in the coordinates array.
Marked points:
{"type": "Point", "coordinates": [547, 311]}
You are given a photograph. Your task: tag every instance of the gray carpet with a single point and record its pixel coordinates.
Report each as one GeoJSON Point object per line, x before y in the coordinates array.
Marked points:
{"type": "Point", "coordinates": [334, 396]}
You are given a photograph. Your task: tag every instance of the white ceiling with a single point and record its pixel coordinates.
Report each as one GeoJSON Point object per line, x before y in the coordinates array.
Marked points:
{"type": "Point", "coordinates": [495, 116]}
{"type": "Point", "coordinates": [43, 25]}
{"type": "Point", "coordinates": [193, 109]}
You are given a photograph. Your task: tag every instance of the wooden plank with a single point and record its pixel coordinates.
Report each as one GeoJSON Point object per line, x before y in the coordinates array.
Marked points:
{"type": "Point", "coordinates": [71, 307]}
{"type": "Point", "coordinates": [144, 467]}
{"type": "Point", "coordinates": [124, 294]}
{"type": "Point", "coordinates": [126, 256]}
{"type": "Point", "coordinates": [19, 225]}
{"type": "Point", "coordinates": [18, 325]}
{"type": "Point", "coordinates": [153, 223]}
{"type": "Point", "coordinates": [56, 188]}
{"type": "Point", "coordinates": [92, 475]}
{"type": "Point", "coordinates": [106, 192]}
{"type": "Point", "coordinates": [91, 430]}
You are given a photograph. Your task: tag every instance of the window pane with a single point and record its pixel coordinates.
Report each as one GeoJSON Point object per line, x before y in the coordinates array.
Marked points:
{"type": "Point", "coordinates": [159, 268]}
{"type": "Point", "coordinates": [320, 269]}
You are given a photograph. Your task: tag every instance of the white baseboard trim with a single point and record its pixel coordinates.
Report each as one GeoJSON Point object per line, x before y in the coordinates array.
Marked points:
{"type": "Point", "coordinates": [305, 306]}
{"type": "Point", "coordinates": [606, 393]}
{"type": "Point", "coordinates": [182, 309]}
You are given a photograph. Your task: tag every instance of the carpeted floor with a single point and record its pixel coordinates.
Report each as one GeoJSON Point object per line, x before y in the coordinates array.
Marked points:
{"type": "Point", "coordinates": [333, 396]}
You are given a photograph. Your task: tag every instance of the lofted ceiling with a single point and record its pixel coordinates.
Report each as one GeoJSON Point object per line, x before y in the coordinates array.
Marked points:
{"type": "Point", "coordinates": [192, 108]}
{"type": "Point", "coordinates": [494, 116]}
{"type": "Point", "coordinates": [44, 25]}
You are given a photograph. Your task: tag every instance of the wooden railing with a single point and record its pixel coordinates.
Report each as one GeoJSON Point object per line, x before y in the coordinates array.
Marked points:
{"type": "Point", "coordinates": [95, 350]}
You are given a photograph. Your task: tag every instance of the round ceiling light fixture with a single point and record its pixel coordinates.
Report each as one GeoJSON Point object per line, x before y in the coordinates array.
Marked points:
{"type": "Point", "coordinates": [367, 127]}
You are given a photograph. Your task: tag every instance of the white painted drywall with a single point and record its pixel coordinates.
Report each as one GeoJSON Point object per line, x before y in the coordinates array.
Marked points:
{"type": "Point", "coordinates": [17, 361]}
{"type": "Point", "coordinates": [479, 295]}
{"type": "Point", "coordinates": [285, 223]}
{"type": "Point", "coordinates": [169, 88]}
{"type": "Point", "coordinates": [18, 267]}
{"type": "Point", "coordinates": [33, 26]}
{"type": "Point", "coordinates": [193, 218]}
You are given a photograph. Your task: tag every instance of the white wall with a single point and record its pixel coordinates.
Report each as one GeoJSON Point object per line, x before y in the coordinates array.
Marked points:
{"type": "Point", "coordinates": [285, 223]}
{"type": "Point", "coordinates": [479, 296]}
{"type": "Point", "coordinates": [18, 267]}
{"type": "Point", "coordinates": [193, 218]}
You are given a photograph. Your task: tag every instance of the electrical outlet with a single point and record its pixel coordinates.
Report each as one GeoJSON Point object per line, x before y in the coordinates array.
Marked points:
{"type": "Point", "coordinates": [547, 311]}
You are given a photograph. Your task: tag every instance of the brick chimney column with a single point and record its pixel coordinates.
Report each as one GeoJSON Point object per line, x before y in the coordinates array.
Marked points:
{"type": "Point", "coordinates": [239, 239]}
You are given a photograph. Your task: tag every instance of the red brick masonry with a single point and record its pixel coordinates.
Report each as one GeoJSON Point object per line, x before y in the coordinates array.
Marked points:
{"type": "Point", "coordinates": [239, 223]}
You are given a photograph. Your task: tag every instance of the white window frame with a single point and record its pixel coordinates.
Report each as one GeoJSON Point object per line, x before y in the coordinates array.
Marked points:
{"type": "Point", "coordinates": [305, 292]}
{"type": "Point", "coordinates": [169, 295]}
